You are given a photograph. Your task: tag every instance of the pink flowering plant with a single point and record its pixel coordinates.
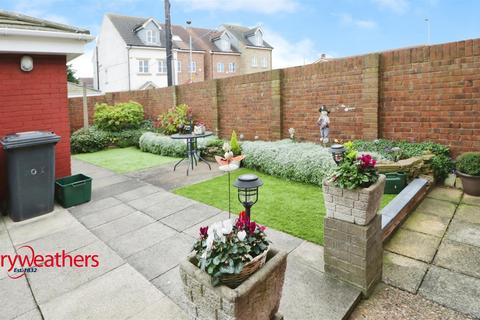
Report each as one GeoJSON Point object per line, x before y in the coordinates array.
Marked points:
{"type": "Point", "coordinates": [355, 171]}
{"type": "Point", "coordinates": [225, 247]}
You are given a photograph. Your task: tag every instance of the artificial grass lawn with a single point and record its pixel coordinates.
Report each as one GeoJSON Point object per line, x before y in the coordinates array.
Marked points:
{"type": "Point", "coordinates": [292, 207]}
{"type": "Point", "coordinates": [122, 160]}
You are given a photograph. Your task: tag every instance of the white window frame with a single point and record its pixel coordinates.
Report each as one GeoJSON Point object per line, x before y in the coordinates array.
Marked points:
{"type": "Point", "coordinates": [232, 67]}
{"type": "Point", "coordinates": [254, 62]}
{"type": "Point", "coordinates": [225, 45]}
{"type": "Point", "coordinates": [179, 66]}
{"type": "Point", "coordinates": [143, 66]}
{"type": "Point", "coordinates": [258, 38]}
{"type": "Point", "coordinates": [264, 62]}
{"type": "Point", "coordinates": [193, 67]}
{"type": "Point", "coordinates": [220, 67]}
{"type": "Point", "coordinates": [151, 36]}
{"type": "Point", "coordinates": [162, 66]}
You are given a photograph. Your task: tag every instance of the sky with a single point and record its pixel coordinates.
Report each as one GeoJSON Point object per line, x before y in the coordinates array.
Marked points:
{"type": "Point", "coordinates": [299, 30]}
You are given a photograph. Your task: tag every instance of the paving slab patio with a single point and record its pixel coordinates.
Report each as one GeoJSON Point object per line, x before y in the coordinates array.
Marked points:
{"type": "Point", "coordinates": [402, 272]}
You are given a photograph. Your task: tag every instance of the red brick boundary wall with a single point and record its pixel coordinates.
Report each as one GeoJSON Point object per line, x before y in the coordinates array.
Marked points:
{"type": "Point", "coordinates": [416, 94]}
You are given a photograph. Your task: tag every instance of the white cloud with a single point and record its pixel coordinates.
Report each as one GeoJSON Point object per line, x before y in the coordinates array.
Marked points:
{"type": "Point", "coordinates": [83, 65]}
{"type": "Point", "coordinates": [348, 20]}
{"type": "Point", "coordinates": [287, 53]}
{"type": "Point", "coordinates": [261, 6]}
{"type": "Point", "coordinates": [397, 6]}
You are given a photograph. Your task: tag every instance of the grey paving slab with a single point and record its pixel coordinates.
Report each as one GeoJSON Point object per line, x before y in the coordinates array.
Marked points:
{"type": "Point", "coordinates": [2, 225]}
{"type": "Point", "coordinates": [108, 181]}
{"type": "Point", "coordinates": [446, 194]}
{"type": "Point", "coordinates": [195, 230]}
{"type": "Point", "coordinates": [6, 248]}
{"type": "Point", "coordinates": [90, 207]}
{"type": "Point", "coordinates": [190, 216]}
{"type": "Point", "coordinates": [15, 298]}
{"type": "Point", "coordinates": [464, 232]}
{"type": "Point", "coordinates": [165, 309]}
{"type": "Point", "coordinates": [159, 197]}
{"type": "Point", "coordinates": [69, 239]}
{"type": "Point", "coordinates": [471, 200]}
{"type": "Point", "coordinates": [141, 239]}
{"type": "Point", "coordinates": [403, 272]}
{"type": "Point", "coordinates": [413, 244]}
{"type": "Point", "coordinates": [459, 257]}
{"type": "Point", "coordinates": [31, 315]}
{"type": "Point", "coordinates": [282, 240]}
{"type": "Point", "coordinates": [42, 226]}
{"type": "Point", "coordinates": [171, 284]}
{"type": "Point", "coordinates": [170, 204]}
{"type": "Point", "coordinates": [162, 256]}
{"type": "Point", "coordinates": [467, 213]}
{"type": "Point", "coordinates": [121, 226]}
{"type": "Point", "coordinates": [115, 189]}
{"type": "Point", "coordinates": [427, 223]}
{"type": "Point", "coordinates": [119, 294]}
{"type": "Point", "coordinates": [100, 217]}
{"type": "Point", "coordinates": [310, 254]}
{"type": "Point", "coordinates": [137, 193]}
{"type": "Point", "coordinates": [309, 294]}
{"type": "Point", "coordinates": [437, 207]}
{"type": "Point", "coordinates": [49, 283]}
{"type": "Point", "coordinates": [451, 289]}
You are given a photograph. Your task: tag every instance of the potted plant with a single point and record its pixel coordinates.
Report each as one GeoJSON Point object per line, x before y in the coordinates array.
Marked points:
{"type": "Point", "coordinates": [468, 169]}
{"type": "Point", "coordinates": [354, 190]}
{"type": "Point", "coordinates": [230, 264]}
{"type": "Point", "coordinates": [199, 128]}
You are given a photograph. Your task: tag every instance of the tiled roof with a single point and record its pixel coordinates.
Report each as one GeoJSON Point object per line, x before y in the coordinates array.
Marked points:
{"type": "Point", "coordinates": [241, 34]}
{"type": "Point", "coordinates": [14, 20]}
{"type": "Point", "coordinates": [76, 90]}
{"type": "Point", "coordinates": [204, 38]}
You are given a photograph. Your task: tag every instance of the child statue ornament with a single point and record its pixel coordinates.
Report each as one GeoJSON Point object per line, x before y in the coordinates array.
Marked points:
{"type": "Point", "coordinates": [324, 124]}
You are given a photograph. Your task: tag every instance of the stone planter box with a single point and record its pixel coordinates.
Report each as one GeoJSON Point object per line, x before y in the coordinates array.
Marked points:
{"type": "Point", "coordinates": [357, 206]}
{"type": "Point", "coordinates": [257, 298]}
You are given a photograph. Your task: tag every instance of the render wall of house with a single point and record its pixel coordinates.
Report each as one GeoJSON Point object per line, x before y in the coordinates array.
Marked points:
{"type": "Point", "coordinates": [112, 58]}
{"type": "Point", "coordinates": [35, 100]}
{"type": "Point", "coordinates": [153, 55]}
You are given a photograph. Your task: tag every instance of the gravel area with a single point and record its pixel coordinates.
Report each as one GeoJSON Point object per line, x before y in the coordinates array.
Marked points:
{"type": "Point", "coordinates": [391, 303]}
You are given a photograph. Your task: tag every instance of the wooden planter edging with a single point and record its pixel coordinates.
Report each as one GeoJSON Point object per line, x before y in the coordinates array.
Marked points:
{"type": "Point", "coordinates": [398, 209]}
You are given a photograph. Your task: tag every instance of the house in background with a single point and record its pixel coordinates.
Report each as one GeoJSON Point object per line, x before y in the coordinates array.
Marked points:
{"type": "Point", "coordinates": [131, 55]}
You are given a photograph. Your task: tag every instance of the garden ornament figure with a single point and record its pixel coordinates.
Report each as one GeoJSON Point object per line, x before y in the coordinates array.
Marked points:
{"type": "Point", "coordinates": [324, 124]}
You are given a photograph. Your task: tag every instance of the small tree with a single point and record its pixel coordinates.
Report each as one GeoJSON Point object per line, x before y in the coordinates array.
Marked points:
{"type": "Point", "coordinates": [71, 74]}
{"type": "Point", "coordinates": [234, 144]}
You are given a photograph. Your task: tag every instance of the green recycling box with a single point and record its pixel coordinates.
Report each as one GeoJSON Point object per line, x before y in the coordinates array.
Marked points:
{"type": "Point", "coordinates": [73, 190]}
{"type": "Point", "coordinates": [396, 182]}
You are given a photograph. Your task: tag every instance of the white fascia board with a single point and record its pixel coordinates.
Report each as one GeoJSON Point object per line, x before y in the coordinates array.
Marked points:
{"type": "Point", "coordinates": [43, 42]}
{"type": "Point", "coordinates": [261, 48]}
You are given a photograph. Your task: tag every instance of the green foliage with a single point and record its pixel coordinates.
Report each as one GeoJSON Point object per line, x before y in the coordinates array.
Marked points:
{"type": "Point", "coordinates": [224, 249]}
{"type": "Point", "coordinates": [213, 148]}
{"type": "Point", "coordinates": [71, 74]}
{"type": "Point", "coordinates": [175, 118]}
{"type": "Point", "coordinates": [165, 146]}
{"type": "Point", "coordinates": [469, 163]}
{"type": "Point", "coordinates": [89, 140]}
{"type": "Point", "coordinates": [121, 116]}
{"type": "Point", "coordinates": [236, 149]}
{"type": "Point", "coordinates": [302, 162]}
{"type": "Point", "coordinates": [126, 138]}
{"type": "Point", "coordinates": [441, 166]}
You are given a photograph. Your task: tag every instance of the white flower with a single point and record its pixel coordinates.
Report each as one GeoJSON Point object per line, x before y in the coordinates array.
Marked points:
{"type": "Point", "coordinates": [226, 147]}
{"type": "Point", "coordinates": [228, 155]}
{"type": "Point", "coordinates": [227, 227]}
{"type": "Point", "coordinates": [241, 235]}
{"type": "Point", "coordinates": [209, 241]}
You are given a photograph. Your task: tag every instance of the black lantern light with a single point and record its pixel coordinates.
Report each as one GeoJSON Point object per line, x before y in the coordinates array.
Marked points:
{"type": "Point", "coordinates": [338, 153]}
{"type": "Point", "coordinates": [247, 185]}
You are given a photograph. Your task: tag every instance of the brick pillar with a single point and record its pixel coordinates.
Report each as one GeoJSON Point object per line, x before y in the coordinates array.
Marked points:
{"type": "Point", "coordinates": [354, 253]}
{"type": "Point", "coordinates": [276, 120]}
{"type": "Point", "coordinates": [370, 96]}
{"type": "Point", "coordinates": [214, 106]}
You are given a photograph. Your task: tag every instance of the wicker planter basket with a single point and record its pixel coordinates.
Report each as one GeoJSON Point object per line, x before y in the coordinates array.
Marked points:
{"type": "Point", "coordinates": [234, 280]}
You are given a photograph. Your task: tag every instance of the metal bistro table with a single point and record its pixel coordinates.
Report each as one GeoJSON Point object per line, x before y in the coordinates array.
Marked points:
{"type": "Point", "coordinates": [192, 153]}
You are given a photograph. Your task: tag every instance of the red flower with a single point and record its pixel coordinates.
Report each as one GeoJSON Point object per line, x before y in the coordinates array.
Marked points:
{"type": "Point", "coordinates": [252, 226]}
{"type": "Point", "coordinates": [262, 228]}
{"type": "Point", "coordinates": [367, 161]}
{"type": "Point", "coordinates": [203, 232]}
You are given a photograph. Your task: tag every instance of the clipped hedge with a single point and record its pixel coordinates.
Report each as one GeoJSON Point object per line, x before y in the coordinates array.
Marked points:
{"type": "Point", "coordinates": [164, 145]}
{"type": "Point", "coordinates": [94, 139]}
{"type": "Point", "coordinates": [303, 162]}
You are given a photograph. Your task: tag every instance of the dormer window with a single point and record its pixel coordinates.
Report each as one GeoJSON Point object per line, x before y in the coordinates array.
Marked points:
{"type": "Point", "coordinates": [152, 36]}
{"type": "Point", "coordinates": [258, 38]}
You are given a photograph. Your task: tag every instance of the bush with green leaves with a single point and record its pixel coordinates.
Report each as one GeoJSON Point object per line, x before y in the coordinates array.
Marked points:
{"type": "Point", "coordinates": [234, 145]}
{"type": "Point", "coordinates": [174, 118]}
{"type": "Point", "coordinates": [303, 162]}
{"type": "Point", "coordinates": [89, 140]}
{"type": "Point", "coordinates": [121, 116]}
{"type": "Point", "coordinates": [126, 138]}
{"type": "Point", "coordinates": [469, 163]}
{"type": "Point", "coordinates": [164, 145]}
{"type": "Point", "coordinates": [213, 148]}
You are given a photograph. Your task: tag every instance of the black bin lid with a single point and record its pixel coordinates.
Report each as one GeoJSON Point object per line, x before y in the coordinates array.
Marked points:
{"type": "Point", "coordinates": [28, 138]}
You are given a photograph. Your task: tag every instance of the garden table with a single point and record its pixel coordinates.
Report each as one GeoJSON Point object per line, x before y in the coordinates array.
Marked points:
{"type": "Point", "coordinates": [192, 154]}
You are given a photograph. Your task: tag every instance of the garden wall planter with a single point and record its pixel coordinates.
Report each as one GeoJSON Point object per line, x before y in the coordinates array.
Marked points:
{"type": "Point", "coordinates": [357, 206]}
{"type": "Point", "coordinates": [471, 184]}
{"type": "Point", "coordinates": [257, 298]}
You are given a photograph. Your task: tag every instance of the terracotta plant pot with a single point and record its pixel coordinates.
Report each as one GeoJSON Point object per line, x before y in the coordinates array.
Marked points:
{"type": "Point", "coordinates": [357, 206]}
{"type": "Point", "coordinates": [205, 301]}
{"type": "Point", "coordinates": [471, 184]}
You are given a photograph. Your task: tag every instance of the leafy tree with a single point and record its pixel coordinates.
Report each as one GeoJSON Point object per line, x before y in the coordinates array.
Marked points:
{"type": "Point", "coordinates": [71, 74]}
